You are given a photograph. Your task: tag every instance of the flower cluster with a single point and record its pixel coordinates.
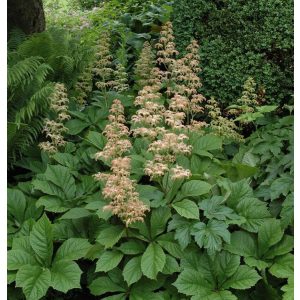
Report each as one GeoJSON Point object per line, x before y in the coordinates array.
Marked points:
{"type": "Point", "coordinates": [144, 66]}
{"type": "Point", "coordinates": [84, 85]}
{"type": "Point", "coordinates": [103, 68]}
{"type": "Point", "coordinates": [248, 101]}
{"type": "Point", "coordinates": [119, 189]}
{"type": "Point", "coordinates": [55, 129]}
{"type": "Point", "coordinates": [186, 82]}
{"type": "Point", "coordinates": [120, 83]}
{"type": "Point", "coordinates": [149, 117]}
{"type": "Point", "coordinates": [166, 51]}
{"type": "Point", "coordinates": [111, 77]}
{"type": "Point", "coordinates": [165, 151]}
{"type": "Point", "coordinates": [221, 125]}
{"type": "Point", "coordinates": [117, 134]}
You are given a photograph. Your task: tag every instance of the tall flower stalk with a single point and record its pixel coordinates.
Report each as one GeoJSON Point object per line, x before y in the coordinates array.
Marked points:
{"type": "Point", "coordinates": [119, 189]}
{"type": "Point", "coordinates": [55, 129]}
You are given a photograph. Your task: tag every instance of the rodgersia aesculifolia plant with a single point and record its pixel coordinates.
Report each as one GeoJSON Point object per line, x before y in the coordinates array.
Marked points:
{"type": "Point", "coordinates": [54, 128]}
{"type": "Point", "coordinates": [119, 188]}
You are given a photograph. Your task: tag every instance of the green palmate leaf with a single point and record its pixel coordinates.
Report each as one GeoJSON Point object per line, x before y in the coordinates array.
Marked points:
{"type": "Point", "coordinates": [18, 258]}
{"type": "Point", "coordinates": [16, 204]}
{"type": "Point", "coordinates": [159, 219]}
{"type": "Point", "coordinates": [34, 281]}
{"type": "Point", "coordinates": [48, 188]}
{"type": "Point", "coordinates": [187, 209]}
{"type": "Point", "coordinates": [73, 249]}
{"type": "Point", "coordinates": [282, 185]}
{"type": "Point", "coordinates": [153, 260]}
{"type": "Point", "coordinates": [283, 266]}
{"type": "Point", "coordinates": [103, 285]}
{"type": "Point", "coordinates": [22, 243]}
{"type": "Point", "coordinates": [210, 235]}
{"type": "Point", "coordinates": [110, 236]}
{"type": "Point", "coordinates": [225, 265]}
{"type": "Point", "coordinates": [191, 283]}
{"type": "Point", "coordinates": [207, 143]}
{"type": "Point", "coordinates": [269, 234]}
{"type": "Point", "coordinates": [286, 245]}
{"type": "Point", "coordinates": [108, 260]}
{"type": "Point", "coordinates": [76, 126]}
{"type": "Point", "coordinates": [61, 177]}
{"type": "Point", "coordinates": [288, 290]}
{"type": "Point", "coordinates": [52, 204]}
{"type": "Point", "coordinates": [96, 139]}
{"type": "Point", "coordinates": [171, 246]}
{"type": "Point", "coordinates": [171, 265]}
{"type": "Point", "coordinates": [67, 160]}
{"type": "Point", "coordinates": [132, 247]}
{"type": "Point", "coordinates": [76, 213]}
{"type": "Point", "coordinates": [219, 295]}
{"type": "Point", "coordinates": [132, 271]}
{"type": "Point", "coordinates": [254, 211]}
{"type": "Point", "coordinates": [41, 240]}
{"type": "Point", "coordinates": [242, 243]}
{"type": "Point", "coordinates": [195, 188]}
{"type": "Point", "coordinates": [244, 278]}
{"type": "Point", "coordinates": [65, 275]}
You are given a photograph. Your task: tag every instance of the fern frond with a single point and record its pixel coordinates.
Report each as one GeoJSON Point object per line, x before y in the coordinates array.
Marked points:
{"type": "Point", "coordinates": [37, 104]}
{"type": "Point", "coordinates": [23, 71]}
{"type": "Point", "coordinates": [20, 139]}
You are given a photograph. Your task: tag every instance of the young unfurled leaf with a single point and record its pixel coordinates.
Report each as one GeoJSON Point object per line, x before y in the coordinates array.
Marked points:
{"type": "Point", "coordinates": [153, 260]}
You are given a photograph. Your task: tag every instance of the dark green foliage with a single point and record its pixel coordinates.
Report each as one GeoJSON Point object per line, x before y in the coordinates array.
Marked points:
{"type": "Point", "coordinates": [239, 39]}
{"type": "Point", "coordinates": [34, 64]}
{"type": "Point", "coordinates": [61, 50]}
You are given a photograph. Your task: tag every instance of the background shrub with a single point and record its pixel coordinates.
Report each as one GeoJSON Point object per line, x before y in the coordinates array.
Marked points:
{"type": "Point", "coordinates": [240, 39]}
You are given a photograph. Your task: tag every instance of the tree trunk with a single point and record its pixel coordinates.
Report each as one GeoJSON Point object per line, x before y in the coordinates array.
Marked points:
{"type": "Point", "coordinates": [28, 15]}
